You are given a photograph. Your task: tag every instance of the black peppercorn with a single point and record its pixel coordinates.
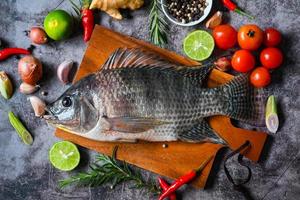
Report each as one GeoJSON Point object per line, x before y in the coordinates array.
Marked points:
{"type": "Point", "coordinates": [186, 11]}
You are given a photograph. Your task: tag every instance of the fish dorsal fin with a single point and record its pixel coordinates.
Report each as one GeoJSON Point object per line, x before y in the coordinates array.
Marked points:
{"type": "Point", "coordinates": [197, 73]}
{"type": "Point", "coordinates": [138, 58]}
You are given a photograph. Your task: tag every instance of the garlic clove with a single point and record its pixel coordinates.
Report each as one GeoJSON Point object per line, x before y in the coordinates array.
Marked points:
{"type": "Point", "coordinates": [26, 88]}
{"type": "Point", "coordinates": [38, 106]}
{"type": "Point", "coordinates": [215, 20]}
{"type": "Point", "coordinates": [63, 71]}
{"type": "Point", "coordinates": [223, 64]}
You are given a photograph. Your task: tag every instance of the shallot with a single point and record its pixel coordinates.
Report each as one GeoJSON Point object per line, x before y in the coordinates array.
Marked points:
{"type": "Point", "coordinates": [30, 70]}
{"type": "Point", "coordinates": [38, 35]}
{"type": "Point", "coordinates": [223, 64]}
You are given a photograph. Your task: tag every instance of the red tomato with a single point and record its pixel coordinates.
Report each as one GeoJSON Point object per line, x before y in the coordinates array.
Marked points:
{"type": "Point", "coordinates": [225, 36]}
{"type": "Point", "coordinates": [242, 61]}
{"type": "Point", "coordinates": [250, 37]}
{"type": "Point", "coordinates": [272, 37]}
{"type": "Point", "coordinates": [260, 77]}
{"type": "Point", "coordinates": [271, 57]}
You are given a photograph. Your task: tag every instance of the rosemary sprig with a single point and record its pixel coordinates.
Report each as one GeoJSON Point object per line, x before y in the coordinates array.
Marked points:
{"type": "Point", "coordinates": [158, 25]}
{"type": "Point", "coordinates": [107, 170]}
{"type": "Point", "coordinates": [76, 7]}
{"type": "Point", "coordinates": [80, 4]}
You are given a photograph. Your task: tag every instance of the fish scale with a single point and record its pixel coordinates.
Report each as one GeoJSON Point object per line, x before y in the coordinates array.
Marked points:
{"type": "Point", "coordinates": [145, 101]}
{"type": "Point", "coordinates": [138, 95]}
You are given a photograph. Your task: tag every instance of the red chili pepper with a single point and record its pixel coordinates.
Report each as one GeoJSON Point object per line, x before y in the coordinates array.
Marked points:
{"type": "Point", "coordinates": [164, 185]}
{"type": "Point", "coordinates": [87, 21]}
{"type": "Point", "coordinates": [178, 183]}
{"type": "Point", "coordinates": [183, 180]}
{"type": "Point", "coordinates": [232, 6]}
{"type": "Point", "coordinates": [7, 52]}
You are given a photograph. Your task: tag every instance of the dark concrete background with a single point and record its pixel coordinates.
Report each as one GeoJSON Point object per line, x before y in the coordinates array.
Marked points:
{"type": "Point", "coordinates": [25, 171]}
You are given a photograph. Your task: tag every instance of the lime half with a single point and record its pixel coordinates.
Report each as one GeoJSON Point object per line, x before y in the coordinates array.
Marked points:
{"type": "Point", "coordinates": [64, 155]}
{"type": "Point", "coordinates": [198, 45]}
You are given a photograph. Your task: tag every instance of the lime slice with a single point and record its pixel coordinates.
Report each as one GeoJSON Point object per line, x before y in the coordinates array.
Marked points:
{"type": "Point", "coordinates": [198, 45]}
{"type": "Point", "coordinates": [64, 155]}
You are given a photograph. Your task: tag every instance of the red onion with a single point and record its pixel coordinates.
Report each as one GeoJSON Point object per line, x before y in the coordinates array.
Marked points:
{"type": "Point", "coordinates": [223, 64]}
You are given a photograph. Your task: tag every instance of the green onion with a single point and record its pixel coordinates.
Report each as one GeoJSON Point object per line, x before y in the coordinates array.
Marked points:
{"type": "Point", "coordinates": [6, 88]}
{"type": "Point", "coordinates": [20, 129]}
{"type": "Point", "coordinates": [272, 121]}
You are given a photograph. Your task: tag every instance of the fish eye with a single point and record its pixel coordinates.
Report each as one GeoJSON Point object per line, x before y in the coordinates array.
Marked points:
{"type": "Point", "coordinates": [67, 101]}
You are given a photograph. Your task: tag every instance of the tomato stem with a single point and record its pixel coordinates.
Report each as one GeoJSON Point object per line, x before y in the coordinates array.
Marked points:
{"type": "Point", "coordinates": [251, 33]}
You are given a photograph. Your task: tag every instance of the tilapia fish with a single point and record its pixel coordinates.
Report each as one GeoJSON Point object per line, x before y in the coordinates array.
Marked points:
{"type": "Point", "coordinates": [139, 96]}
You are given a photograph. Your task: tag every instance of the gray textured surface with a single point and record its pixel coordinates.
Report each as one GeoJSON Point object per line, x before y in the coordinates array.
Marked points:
{"type": "Point", "coordinates": [26, 172]}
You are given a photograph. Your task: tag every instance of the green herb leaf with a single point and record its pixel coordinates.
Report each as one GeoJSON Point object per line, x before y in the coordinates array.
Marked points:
{"type": "Point", "coordinates": [158, 25]}
{"type": "Point", "coordinates": [107, 170]}
{"type": "Point", "coordinates": [75, 7]}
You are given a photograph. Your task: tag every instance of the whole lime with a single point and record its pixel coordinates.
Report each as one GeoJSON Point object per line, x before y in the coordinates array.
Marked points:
{"type": "Point", "coordinates": [58, 24]}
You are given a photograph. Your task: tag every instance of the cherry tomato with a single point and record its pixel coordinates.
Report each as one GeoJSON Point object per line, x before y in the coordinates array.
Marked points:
{"type": "Point", "coordinates": [272, 37]}
{"type": "Point", "coordinates": [260, 77]}
{"type": "Point", "coordinates": [250, 37]}
{"type": "Point", "coordinates": [271, 57]}
{"type": "Point", "coordinates": [242, 61]}
{"type": "Point", "coordinates": [225, 36]}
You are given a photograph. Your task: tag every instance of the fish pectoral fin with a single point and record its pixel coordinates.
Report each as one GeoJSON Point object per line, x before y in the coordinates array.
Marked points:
{"type": "Point", "coordinates": [126, 140]}
{"type": "Point", "coordinates": [132, 124]}
{"type": "Point", "coordinates": [197, 74]}
{"type": "Point", "coordinates": [201, 132]}
{"type": "Point", "coordinates": [119, 137]}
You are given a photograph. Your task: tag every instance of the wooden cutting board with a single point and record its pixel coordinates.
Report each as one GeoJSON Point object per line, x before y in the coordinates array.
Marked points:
{"type": "Point", "coordinates": [179, 157]}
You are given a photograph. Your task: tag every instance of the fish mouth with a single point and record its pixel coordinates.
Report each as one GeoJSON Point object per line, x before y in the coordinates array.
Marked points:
{"type": "Point", "coordinates": [49, 117]}
{"type": "Point", "coordinates": [56, 122]}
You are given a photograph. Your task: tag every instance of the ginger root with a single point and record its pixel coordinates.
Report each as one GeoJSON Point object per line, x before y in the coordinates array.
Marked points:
{"type": "Point", "coordinates": [111, 7]}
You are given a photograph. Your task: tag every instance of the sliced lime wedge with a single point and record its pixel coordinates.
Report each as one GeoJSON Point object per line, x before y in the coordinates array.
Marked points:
{"type": "Point", "coordinates": [64, 155]}
{"type": "Point", "coordinates": [198, 45]}
{"type": "Point", "coordinates": [272, 121]}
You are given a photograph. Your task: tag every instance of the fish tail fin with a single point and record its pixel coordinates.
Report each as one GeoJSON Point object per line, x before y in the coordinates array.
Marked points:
{"type": "Point", "coordinates": [244, 102]}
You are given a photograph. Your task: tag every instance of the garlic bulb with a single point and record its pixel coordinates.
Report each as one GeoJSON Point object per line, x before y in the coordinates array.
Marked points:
{"type": "Point", "coordinates": [38, 106]}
